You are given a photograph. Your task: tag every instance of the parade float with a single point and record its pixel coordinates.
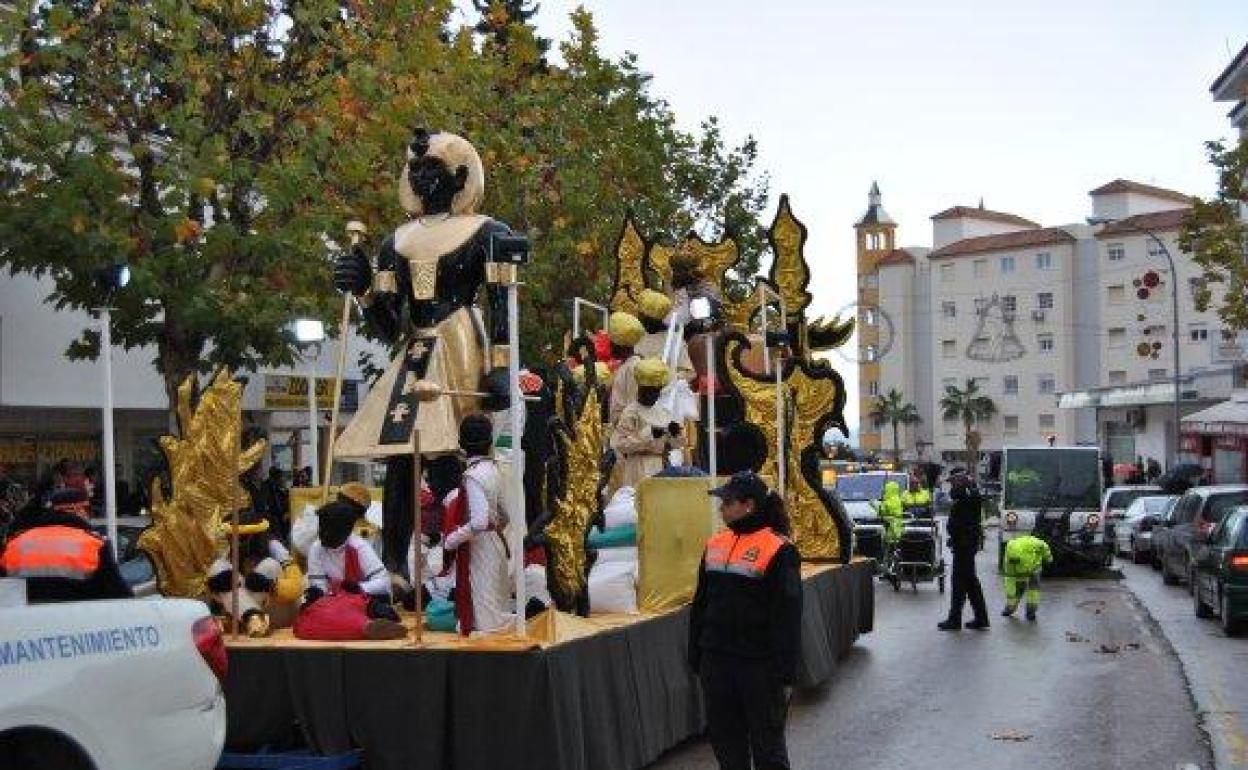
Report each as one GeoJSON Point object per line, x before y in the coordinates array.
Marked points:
{"type": "Point", "coordinates": [572, 686]}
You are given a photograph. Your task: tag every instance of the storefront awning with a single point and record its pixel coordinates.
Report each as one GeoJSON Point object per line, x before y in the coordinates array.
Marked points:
{"type": "Point", "coordinates": [1126, 395]}
{"type": "Point", "coordinates": [1228, 417]}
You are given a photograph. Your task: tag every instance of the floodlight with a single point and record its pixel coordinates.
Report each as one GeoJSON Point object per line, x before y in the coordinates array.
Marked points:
{"type": "Point", "coordinates": [700, 308]}
{"type": "Point", "coordinates": [308, 330]}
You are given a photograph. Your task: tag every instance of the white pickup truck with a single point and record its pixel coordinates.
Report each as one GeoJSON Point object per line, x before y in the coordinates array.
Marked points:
{"type": "Point", "coordinates": [124, 684]}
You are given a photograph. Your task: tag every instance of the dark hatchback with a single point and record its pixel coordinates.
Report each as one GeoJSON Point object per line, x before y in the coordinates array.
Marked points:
{"type": "Point", "coordinates": [1220, 572]}
{"type": "Point", "coordinates": [1197, 512]}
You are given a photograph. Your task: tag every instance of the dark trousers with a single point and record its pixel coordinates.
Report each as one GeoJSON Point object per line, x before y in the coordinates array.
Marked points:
{"type": "Point", "coordinates": [745, 712]}
{"type": "Point", "coordinates": [966, 586]}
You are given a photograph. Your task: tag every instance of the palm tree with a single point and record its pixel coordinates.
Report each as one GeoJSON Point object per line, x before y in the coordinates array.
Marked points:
{"type": "Point", "coordinates": [893, 408]}
{"type": "Point", "coordinates": [969, 405]}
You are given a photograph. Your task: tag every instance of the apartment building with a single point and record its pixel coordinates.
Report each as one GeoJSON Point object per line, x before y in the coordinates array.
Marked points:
{"type": "Point", "coordinates": [1068, 329]}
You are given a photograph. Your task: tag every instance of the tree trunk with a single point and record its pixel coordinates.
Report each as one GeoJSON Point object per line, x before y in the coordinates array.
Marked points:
{"type": "Point", "coordinates": [896, 445]}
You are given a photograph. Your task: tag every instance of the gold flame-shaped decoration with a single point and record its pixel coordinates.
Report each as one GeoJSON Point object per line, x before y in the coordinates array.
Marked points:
{"type": "Point", "coordinates": [565, 533]}
{"type": "Point", "coordinates": [204, 465]}
{"type": "Point", "coordinates": [789, 273]}
{"type": "Point", "coordinates": [630, 277]}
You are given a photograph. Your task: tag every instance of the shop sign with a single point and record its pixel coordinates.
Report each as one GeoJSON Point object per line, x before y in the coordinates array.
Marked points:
{"type": "Point", "coordinates": [17, 451]}
{"type": "Point", "coordinates": [286, 392]}
{"type": "Point", "coordinates": [78, 450]}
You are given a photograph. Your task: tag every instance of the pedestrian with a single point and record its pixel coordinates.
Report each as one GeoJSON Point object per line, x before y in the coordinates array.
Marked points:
{"type": "Point", "coordinates": [916, 500]}
{"type": "Point", "coordinates": [745, 626]}
{"type": "Point", "coordinates": [965, 540]}
{"type": "Point", "coordinates": [1024, 558]}
{"type": "Point", "coordinates": [276, 501]}
{"type": "Point", "coordinates": [1154, 470]}
{"type": "Point", "coordinates": [891, 511]}
{"type": "Point", "coordinates": [59, 555]}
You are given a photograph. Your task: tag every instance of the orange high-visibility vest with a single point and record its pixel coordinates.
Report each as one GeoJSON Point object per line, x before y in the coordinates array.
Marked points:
{"type": "Point", "coordinates": [58, 551]}
{"type": "Point", "coordinates": [748, 555]}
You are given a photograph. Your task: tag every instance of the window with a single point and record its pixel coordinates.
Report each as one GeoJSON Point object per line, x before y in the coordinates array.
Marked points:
{"type": "Point", "coordinates": [980, 268]}
{"type": "Point", "coordinates": [1228, 335]}
{"type": "Point", "coordinates": [873, 388]}
{"type": "Point", "coordinates": [1115, 252]}
{"type": "Point", "coordinates": [1117, 337]}
{"type": "Point", "coordinates": [1198, 333]}
{"type": "Point", "coordinates": [868, 316]}
{"type": "Point", "coordinates": [1047, 422]}
{"type": "Point", "coordinates": [871, 281]}
{"type": "Point", "coordinates": [1156, 374]}
{"type": "Point", "coordinates": [1009, 303]}
{"type": "Point", "coordinates": [1009, 423]}
{"type": "Point", "coordinates": [948, 348]}
{"type": "Point", "coordinates": [1045, 343]}
{"type": "Point", "coordinates": [1044, 261]}
{"type": "Point", "coordinates": [1196, 285]}
{"type": "Point", "coordinates": [948, 382]}
{"type": "Point", "coordinates": [1155, 249]}
{"type": "Point", "coordinates": [1156, 330]}
{"type": "Point", "coordinates": [1007, 265]}
{"type": "Point", "coordinates": [1117, 377]}
{"type": "Point", "coordinates": [949, 309]}
{"type": "Point", "coordinates": [1046, 383]}
{"type": "Point", "coordinates": [1010, 385]}
{"type": "Point", "coordinates": [1044, 300]}
{"type": "Point", "coordinates": [869, 354]}
{"type": "Point", "coordinates": [981, 382]}
{"type": "Point", "coordinates": [946, 274]}
{"type": "Point", "coordinates": [1116, 295]}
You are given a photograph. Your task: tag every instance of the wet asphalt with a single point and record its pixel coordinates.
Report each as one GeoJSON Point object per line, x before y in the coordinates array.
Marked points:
{"type": "Point", "coordinates": [1094, 683]}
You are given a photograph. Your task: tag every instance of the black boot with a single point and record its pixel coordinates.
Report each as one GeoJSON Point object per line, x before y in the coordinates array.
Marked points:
{"type": "Point", "coordinates": [978, 624]}
{"type": "Point", "coordinates": [950, 625]}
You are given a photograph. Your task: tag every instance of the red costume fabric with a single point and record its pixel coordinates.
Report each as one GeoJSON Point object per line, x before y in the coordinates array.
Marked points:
{"type": "Point", "coordinates": [338, 616]}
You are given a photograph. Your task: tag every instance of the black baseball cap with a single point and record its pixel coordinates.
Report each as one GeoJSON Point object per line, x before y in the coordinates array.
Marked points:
{"type": "Point", "coordinates": [742, 485]}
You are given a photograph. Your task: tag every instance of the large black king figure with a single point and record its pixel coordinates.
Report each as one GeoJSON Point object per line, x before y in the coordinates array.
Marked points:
{"type": "Point", "coordinates": [423, 293]}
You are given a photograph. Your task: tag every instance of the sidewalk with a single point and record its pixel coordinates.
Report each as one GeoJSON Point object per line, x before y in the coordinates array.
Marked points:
{"type": "Point", "coordinates": [1216, 667]}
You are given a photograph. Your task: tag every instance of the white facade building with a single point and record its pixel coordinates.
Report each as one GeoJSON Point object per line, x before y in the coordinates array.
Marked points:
{"type": "Point", "coordinates": [1048, 321]}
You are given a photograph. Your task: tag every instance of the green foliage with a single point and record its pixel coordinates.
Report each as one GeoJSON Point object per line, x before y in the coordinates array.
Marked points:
{"type": "Point", "coordinates": [220, 146]}
{"type": "Point", "coordinates": [970, 406]}
{"type": "Point", "coordinates": [893, 409]}
{"type": "Point", "coordinates": [1216, 236]}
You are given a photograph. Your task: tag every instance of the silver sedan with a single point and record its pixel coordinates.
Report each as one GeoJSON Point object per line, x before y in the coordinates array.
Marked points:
{"type": "Point", "coordinates": [1134, 534]}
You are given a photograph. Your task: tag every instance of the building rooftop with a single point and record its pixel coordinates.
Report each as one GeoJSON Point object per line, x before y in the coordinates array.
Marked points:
{"type": "Point", "coordinates": [988, 215]}
{"type": "Point", "coordinates": [902, 256]}
{"type": "Point", "coordinates": [1232, 84]}
{"type": "Point", "coordinates": [1126, 185]}
{"type": "Point", "coordinates": [1003, 241]}
{"type": "Point", "coordinates": [1158, 220]}
{"type": "Point", "coordinates": [876, 215]}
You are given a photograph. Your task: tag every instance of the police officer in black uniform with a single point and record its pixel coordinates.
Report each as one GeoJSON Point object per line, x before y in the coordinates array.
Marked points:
{"type": "Point", "coordinates": [965, 540]}
{"type": "Point", "coordinates": [745, 626]}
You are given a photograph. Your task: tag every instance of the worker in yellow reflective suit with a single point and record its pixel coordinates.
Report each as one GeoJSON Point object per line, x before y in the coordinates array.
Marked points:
{"type": "Point", "coordinates": [1024, 558]}
{"type": "Point", "coordinates": [890, 509]}
{"type": "Point", "coordinates": [916, 499]}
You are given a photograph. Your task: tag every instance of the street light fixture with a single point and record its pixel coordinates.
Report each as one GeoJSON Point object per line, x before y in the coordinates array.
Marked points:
{"type": "Point", "coordinates": [311, 332]}
{"type": "Point", "coordinates": [1174, 299]}
{"type": "Point", "coordinates": [110, 280]}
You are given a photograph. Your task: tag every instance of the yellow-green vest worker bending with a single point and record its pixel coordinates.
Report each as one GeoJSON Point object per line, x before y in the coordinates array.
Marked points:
{"type": "Point", "coordinates": [1024, 558]}
{"type": "Point", "coordinates": [890, 509]}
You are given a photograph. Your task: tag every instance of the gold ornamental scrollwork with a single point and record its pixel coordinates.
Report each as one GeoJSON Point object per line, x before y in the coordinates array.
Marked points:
{"type": "Point", "coordinates": [565, 533]}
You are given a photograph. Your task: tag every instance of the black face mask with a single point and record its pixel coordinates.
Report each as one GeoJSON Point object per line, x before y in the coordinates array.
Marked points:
{"type": "Point", "coordinates": [647, 396]}
{"type": "Point", "coordinates": [433, 183]}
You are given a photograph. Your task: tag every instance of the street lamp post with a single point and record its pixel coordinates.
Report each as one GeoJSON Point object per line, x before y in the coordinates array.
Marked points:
{"type": "Point", "coordinates": [311, 332]}
{"type": "Point", "coordinates": [1174, 300]}
{"type": "Point", "coordinates": [110, 280]}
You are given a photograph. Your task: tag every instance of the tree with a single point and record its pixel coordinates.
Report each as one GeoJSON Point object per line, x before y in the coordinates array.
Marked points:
{"type": "Point", "coordinates": [199, 143]}
{"type": "Point", "coordinates": [970, 406]}
{"type": "Point", "coordinates": [220, 148]}
{"type": "Point", "coordinates": [892, 408]}
{"type": "Point", "coordinates": [1216, 235]}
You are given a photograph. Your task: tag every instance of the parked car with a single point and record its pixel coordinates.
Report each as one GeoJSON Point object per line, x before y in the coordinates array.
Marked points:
{"type": "Point", "coordinates": [121, 684]}
{"type": "Point", "coordinates": [1197, 512]}
{"type": "Point", "coordinates": [1115, 501]}
{"type": "Point", "coordinates": [1220, 572]}
{"type": "Point", "coordinates": [136, 568]}
{"type": "Point", "coordinates": [1134, 534]}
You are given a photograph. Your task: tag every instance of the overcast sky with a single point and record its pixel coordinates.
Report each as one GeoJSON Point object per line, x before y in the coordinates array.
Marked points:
{"type": "Point", "coordinates": [1026, 104]}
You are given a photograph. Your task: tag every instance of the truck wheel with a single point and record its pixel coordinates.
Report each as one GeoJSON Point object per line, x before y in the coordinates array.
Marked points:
{"type": "Point", "coordinates": [1230, 626]}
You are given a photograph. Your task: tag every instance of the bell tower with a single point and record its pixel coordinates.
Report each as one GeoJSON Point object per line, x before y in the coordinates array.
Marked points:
{"type": "Point", "coordinates": [876, 233]}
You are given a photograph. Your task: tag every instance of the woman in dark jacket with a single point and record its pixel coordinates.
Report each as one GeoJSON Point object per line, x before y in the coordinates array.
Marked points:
{"type": "Point", "coordinates": [745, 626]}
